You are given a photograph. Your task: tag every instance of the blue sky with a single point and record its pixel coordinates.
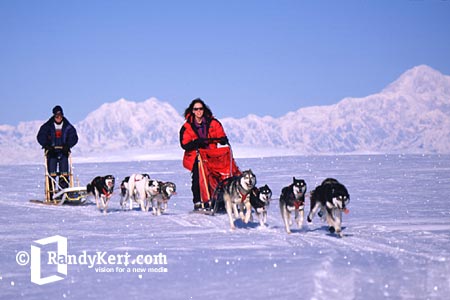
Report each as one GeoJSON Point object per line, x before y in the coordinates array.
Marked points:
{"type": "Point", "coordinates": [242, 57]}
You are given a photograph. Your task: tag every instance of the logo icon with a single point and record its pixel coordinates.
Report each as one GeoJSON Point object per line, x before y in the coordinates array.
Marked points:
{"type": "Point", "coordinates": [36, 263]}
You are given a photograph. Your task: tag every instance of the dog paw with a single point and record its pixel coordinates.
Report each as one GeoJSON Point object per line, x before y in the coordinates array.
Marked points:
{"type": "Point", "coordinates": [309, 219]}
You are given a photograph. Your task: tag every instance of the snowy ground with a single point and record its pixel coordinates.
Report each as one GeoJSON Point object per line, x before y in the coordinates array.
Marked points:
{"type": "Point", "coordinates": [396, 243]}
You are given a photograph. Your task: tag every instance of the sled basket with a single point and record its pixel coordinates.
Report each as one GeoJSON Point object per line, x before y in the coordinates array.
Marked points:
{"type": "Point", "coordinates": [214, 165]}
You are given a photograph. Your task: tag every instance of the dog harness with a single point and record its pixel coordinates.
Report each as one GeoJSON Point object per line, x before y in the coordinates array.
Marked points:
{"type": "Point", "coordinates": [243, 196]}
{"type": "Point", "coordinates": [106, 193]}
{"type": "Point", "coordinates": [243, 193]}
{"type": "Point", "coordinates": [297, 202]}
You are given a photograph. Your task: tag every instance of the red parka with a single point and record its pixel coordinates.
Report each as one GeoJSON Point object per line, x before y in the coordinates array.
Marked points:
{"type": "Point", "coordinates": [189, 138]}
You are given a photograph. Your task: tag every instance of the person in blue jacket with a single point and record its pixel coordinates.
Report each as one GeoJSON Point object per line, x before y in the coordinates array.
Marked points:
{"type": "Point", "coordinates": [57, 136]}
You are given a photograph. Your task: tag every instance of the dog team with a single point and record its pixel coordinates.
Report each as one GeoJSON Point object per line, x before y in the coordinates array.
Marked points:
{"type": "Point", "coordinates": [239, 195]}
{"type": "Point", "coordinates": [329, 200]}
{"type": "Point", "coordinates": [136, 188]}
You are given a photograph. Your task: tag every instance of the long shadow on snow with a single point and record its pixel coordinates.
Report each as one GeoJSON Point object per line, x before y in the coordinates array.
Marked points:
{"type": "Point", "coordinates": [240, 224]}
{"type": "Point", "coordinates": [326, 228]}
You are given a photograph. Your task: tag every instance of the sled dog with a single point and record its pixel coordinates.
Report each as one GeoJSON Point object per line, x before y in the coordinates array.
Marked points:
{"type": "Point", "coordinates": [153, 190]}
{"type": "Point", "coordinates": [101, 187]}
{"type": "Point", "coordinates": [236, 192]}
{"type": "Point", "coordinates": [260, 201]}
{"type": "Point", "coordinates": [136, 188]}
{"type": "Point", "coordinates": [292, 198]}
{"type": "Point", "coordinates": [160, 200]}
{"type": "Point", "coordinates": [331, 198]}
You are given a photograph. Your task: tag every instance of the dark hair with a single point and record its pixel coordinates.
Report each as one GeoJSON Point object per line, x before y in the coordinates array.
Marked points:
{"type": "Point", "coordinates": [206, 110]}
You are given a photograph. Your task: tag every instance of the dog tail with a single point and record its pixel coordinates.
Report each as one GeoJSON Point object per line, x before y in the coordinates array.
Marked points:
{"type": "Point", "coordinates": [313, 198]}
{"type": "Point", "coordinates": [89, 188]}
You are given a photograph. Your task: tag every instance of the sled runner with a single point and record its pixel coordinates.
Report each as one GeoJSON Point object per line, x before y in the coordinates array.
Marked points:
{"type": "Point", "coordinates": [57, 195]}
{"type": "Point", "coordinates": [214, 166]}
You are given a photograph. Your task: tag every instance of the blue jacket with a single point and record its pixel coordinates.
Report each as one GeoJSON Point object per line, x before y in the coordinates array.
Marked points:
{"type": "Point", "coordinates": [47, 134]}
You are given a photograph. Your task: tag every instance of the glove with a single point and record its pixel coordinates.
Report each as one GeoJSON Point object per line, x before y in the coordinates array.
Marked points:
{"type": "Point", "coordinates": [195, 144]}
{"type": "Point", "coordinates": [65, 150]}
{"type": "Point", "coordinates": [223, 140]}
{"type": "Point", "coordinates": [49, 149]}
{"type": "Point", "coordinates": [201, 143]}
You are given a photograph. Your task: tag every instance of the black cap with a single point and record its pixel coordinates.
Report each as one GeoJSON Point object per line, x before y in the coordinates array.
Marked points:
{"type": "Point", "coordinates": [57, 109]}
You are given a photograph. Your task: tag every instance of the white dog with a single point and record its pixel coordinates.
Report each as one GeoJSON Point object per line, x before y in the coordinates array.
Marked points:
{"type": "Point", "coordinates": [135, 188]}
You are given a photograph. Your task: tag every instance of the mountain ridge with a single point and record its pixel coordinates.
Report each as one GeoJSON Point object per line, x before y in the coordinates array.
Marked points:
{"type": "Point", "coordinates": [410, 115]}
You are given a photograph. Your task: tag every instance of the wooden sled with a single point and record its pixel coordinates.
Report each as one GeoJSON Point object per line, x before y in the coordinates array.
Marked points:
{"type": "Point", "coordinates": [57, 195]}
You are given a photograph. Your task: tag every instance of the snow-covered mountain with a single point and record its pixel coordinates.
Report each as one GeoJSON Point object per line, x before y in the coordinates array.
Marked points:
{"type": "Point", "coordinates": [411, 115]}
{"type": "Point", "coordinates": [129, 125]}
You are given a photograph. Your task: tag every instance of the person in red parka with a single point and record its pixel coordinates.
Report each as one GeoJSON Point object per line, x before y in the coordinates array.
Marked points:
{"type": "Point", "coordinates": [200, 130]}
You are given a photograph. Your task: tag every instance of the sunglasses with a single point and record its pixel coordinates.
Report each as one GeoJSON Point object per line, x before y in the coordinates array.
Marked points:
{"type": "Point", "coordinates": [197, 108]}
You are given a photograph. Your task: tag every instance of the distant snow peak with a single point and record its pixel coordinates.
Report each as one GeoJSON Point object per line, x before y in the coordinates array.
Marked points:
{"type": "Point", "coordinates": [411, 115]}
{"type": "Point", "coordinates": [420, 79]}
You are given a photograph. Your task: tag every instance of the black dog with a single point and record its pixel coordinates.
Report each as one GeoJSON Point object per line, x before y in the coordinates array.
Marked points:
{"type": "Point", "coordinates": [331, 197]}
{"type": "Point", "coordinates": [102, 188]}
{"type": "Point", "coordinates": [260, 200]}
{"type": "Point", "coordinates": [123, 188]}
{"type": "Point", "coordinates": [292, 198]}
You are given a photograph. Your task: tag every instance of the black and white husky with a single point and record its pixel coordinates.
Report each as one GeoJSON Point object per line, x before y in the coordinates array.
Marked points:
{"type": "Point", "coordinates": [260, 201]}
{"type": "Point", "coordinates": [331, 198]}
{"type": "Point", "coordinates": [236, 192]}
{"type": "Point", "coordinates": [101, 187]}
{"type": "Point", "coordinates": [292, 198]}
{"type": "Point", "coordinates": [138, 188]}
{"type": "Point", "coordinates": [160, 201]}
{"type": "Point", "coordinates": [153, 191]}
